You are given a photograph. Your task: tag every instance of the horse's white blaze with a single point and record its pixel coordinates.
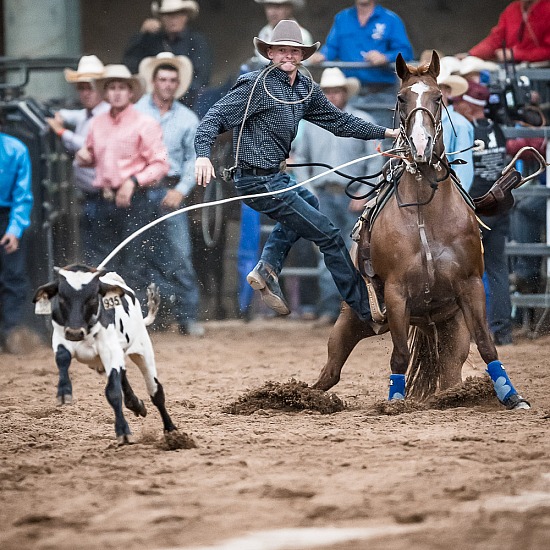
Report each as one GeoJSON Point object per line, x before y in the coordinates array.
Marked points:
{"type": "Point", "coordinates": [419, 135]}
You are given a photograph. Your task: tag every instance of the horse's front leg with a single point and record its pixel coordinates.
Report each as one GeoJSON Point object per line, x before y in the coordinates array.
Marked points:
{"type": "Point", "coordinates": [472, 303]}
{"type": "Point", "coordinates": [344, 336]}
{"type": "Point", "coordinates": [398, 319]}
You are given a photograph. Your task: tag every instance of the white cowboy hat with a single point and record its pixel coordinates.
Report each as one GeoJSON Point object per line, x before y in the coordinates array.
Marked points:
{"type": "Point", "coordinates": [89, 69]}
{"type": "Point", "coordinates": [473, 64]}
{"type": "Point", "coordinates": [449, 64]}
{"type": "Point", "coordinates": [121, 72]}
{"type": "Point", "coordinates": [173, 6]}
{"type": "Point", "coordinates": [458, 84]}
{"type": "Point", "coordinates": [298, 4]}
{"type": "Point", "coordinates": [333, 77]}
{"type": "Point", "coordinates": [286, 33]}
{"type": "Point", "coordinates": [181, 63]}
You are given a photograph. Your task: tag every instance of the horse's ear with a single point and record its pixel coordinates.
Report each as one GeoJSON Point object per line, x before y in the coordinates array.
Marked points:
{"type": "Point", "coordinates": [434, 65]}
{"type": "Point", "coordinates": [401, 67]}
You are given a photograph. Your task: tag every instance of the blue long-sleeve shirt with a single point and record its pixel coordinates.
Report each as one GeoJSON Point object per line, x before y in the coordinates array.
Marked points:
{"type": "Point", "coordinates": [271, 126]}
{"type": "Point", "coordinates": [179, 125]}
{"type": "Point", "coordinates": [464, 138]}
{"type": "Point", "coordinates": [384, 32]}
{"type": "Point", "coordinates": [15, 183]}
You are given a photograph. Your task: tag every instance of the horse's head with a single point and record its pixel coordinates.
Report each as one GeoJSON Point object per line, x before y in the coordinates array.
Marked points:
{"type": "Point", "coordinates": [419, 107]}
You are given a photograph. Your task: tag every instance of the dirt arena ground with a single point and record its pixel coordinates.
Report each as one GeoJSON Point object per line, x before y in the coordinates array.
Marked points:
{"type": "Point", "coordinates": [465, 478]}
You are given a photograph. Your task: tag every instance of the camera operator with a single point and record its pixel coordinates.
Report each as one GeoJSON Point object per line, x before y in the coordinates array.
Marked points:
{"type": "Point", "coordinates": [488, 166]}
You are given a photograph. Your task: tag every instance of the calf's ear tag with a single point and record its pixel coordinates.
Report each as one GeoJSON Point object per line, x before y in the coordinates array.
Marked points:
{"type": "Point", "coordinates": [43, 306]}
{"type": "Point", "coordinates": [111, 300]}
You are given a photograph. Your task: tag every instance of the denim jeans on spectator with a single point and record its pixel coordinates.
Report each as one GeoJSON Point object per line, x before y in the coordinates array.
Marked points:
{"type": "Point", "coordinates": [297, 213]}
{"type": "Point", "coordinates": [14, 282]}
{"type": "Point", "coordinates": [169, 261]}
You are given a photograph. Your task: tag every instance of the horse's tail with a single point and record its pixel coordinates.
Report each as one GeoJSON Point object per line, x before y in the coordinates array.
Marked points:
{"type": "Point", "coordinates": [425, 367]}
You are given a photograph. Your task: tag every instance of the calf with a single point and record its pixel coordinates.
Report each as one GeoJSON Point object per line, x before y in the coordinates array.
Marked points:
{"type": "Point", "coordinates": [97, 319]}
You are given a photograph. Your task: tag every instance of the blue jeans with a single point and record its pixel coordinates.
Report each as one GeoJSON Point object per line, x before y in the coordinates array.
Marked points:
{"type": "Point", "coordinates": [14, 282]}
{"type": "Point", "coordinates": [499, 312]}
{"type": "Point", "coordinates": [335, 205]}
{"type": "Point", "coordinates": [169, 261]}
{"type": "Point", "coordinates": [297, 215]}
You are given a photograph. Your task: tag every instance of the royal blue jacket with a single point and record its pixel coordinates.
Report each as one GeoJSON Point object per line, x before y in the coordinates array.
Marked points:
{"type": "Point", "coordinates": [15, 183]}
{"type": "Point", "coordinates": [384, 32]}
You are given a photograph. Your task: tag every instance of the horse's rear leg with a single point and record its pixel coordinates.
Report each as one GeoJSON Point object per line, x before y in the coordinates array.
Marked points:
{"type": "Point", "coordinates": [472, 304]}
{"type": "Point", "coordinates": [344, 336]}
{"type": "Point", "coordinates": [455, 337]}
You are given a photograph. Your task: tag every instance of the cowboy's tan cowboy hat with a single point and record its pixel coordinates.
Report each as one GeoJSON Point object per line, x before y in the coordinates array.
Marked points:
{"type": "Point", "coordinates": [121, 72]}
{"type": "Point", "coordinates": [89, 68]}
{"type": "Point", "coordinates": [181, 63]}
{"type": "Point", "coordinates": [298, 4]}
{"type": "Point", "coordinates": [286, 33]}
{"type": "Point", "coordinates": [457, 83]}
{"type": "Point", "coordinates": [173, 6]}
{"type": "Point", "coordinates": [472, 64]}
{"type": "Point", "coordinates": [333, 77]}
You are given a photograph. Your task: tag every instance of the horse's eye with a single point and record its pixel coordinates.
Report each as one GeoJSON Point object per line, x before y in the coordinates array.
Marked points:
{"type": "Point", "coordinates": [400, 99]}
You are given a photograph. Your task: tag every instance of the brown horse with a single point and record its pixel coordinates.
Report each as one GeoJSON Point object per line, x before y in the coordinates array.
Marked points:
{"type": "Point", "coordinates": [426, 249]}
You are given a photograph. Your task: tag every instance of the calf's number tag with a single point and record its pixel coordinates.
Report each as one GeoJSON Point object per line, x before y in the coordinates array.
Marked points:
{"type": "Point", "coordinates": [111, 300]}
{"type": "Point", "coordinates": [43, 307]}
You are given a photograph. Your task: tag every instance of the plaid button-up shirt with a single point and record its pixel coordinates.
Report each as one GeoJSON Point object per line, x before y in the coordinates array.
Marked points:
{"type": "Point", "coordinates": [270, 125]}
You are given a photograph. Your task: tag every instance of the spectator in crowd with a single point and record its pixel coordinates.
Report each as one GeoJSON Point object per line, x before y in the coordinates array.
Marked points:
{"type": "Point", "coordinates": [458, 133]}
{"type": "Point", "coordinates": [521, 34]}
{"type": "Point", "coordinates": [373, 34]}
{"type": "Point", "coordinates": [275, 11]}
{"type": "Point", "coordinates": [488, 166]}
{"type": "Point", "coordinates": [89, 69]}
{"type": "Point", "coordinates": [267, 127]}
{"type": "Point", "coordinates": [168, 77]}
{"type": "Point", "coordinates": [173, 34]}
{"type": "Point", "coordinates": [476, 69]}
{"type": "Point", "coordinates": [125, 147]}
{"type": "Point", "coordinates": [15, 216]}
{"type": "Point", "coordinates": [316, 144]}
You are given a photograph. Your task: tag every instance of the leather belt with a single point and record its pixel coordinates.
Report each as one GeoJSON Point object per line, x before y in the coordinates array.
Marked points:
{"type": "Point", "coordinates": [246, 172]}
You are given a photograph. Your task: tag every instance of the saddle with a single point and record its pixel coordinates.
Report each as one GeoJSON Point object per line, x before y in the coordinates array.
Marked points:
{"type": "Point", "coordinates": [499, 198]}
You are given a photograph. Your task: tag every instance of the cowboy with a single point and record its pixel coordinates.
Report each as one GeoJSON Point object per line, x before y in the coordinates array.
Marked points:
{"type": "Point", "coordinates": [263, 109]}
{"type": "Point", "coordinates": [315, 143]}
{"type": "Point", "coordinates": [125, 147]}
{"type": "Point", "coordinates": [170, 32]}
{"type": "Point", "coordinates": [373, 34]}
{"type": "Point", "coordinates": [167, 77]}
{"type": "Point", "coordinates": [488, 166]}
{"type": "Point", "coordinates": [89, 69]}
{"type": "Point", "coordinates": [458, 133]}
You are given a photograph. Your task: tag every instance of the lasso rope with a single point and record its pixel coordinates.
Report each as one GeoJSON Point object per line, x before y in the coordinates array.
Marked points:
{"type": "Point", "coordinates": [225, 201]}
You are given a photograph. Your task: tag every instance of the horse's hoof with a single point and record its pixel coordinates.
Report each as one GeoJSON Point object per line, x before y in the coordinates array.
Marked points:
{"type": "Point", "coordinates": [516, 402]}
{"type": "Point", "coordinates": [66, 399]}
{"type": "Point", "coordinates": [141, 410]}
{"type": "Point", "coordinates": [125, 439]}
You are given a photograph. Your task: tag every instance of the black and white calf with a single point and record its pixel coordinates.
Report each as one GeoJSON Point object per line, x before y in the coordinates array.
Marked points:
{"type": "Point", "coordinates": [97, 319]}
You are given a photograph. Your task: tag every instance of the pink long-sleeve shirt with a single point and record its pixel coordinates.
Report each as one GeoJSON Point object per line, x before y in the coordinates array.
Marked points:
{"type": "Point", "coordinates": [128, 144]}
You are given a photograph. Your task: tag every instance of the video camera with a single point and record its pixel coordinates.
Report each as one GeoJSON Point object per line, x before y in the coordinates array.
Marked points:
{"type": "Point", "coordinates": [511, 100]}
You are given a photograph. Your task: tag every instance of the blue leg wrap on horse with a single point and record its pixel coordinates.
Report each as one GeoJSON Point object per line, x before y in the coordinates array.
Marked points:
{"type": "Point", "coordinates": [397, 386]}
{"type": "Point", "coordinates": [501, 382]}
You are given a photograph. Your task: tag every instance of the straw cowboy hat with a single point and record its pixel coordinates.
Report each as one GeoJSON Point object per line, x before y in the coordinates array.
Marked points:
{"type": "Point", "coordinates": [286, 33]}
{"type": "Point", "coordinates": [333, 77]}
{"type": "Point", "coordinates": [173, 6]}
{"type": "Point", "coordinates": [458, 84]}
{"type": "Point", "coordinates": [89, 68]}
{"type": "Point", "coordinates": [181, 63]}
{"type": "Point", "coordinates": [121, 72]}
{"type": "Point", "coordinates": [473, 64]}
{"type": "Point", "coordinates": [449, 64]}
{"type": "Point", "coordinates": [298, 4]}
